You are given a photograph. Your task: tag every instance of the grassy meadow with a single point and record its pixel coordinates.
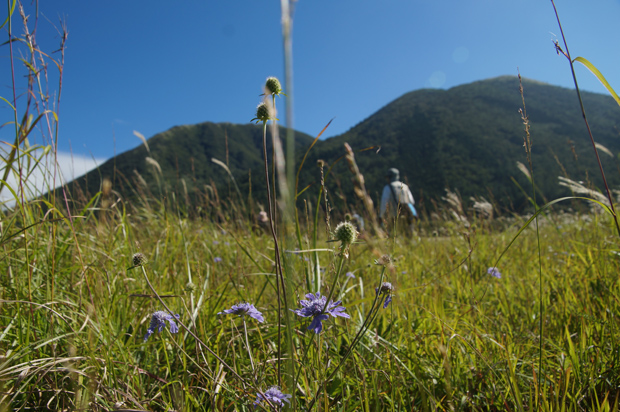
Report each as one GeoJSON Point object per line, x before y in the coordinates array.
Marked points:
{"type": "Point", "coordinates": [156, 304]}
{"type": "Point", "coordinates": [454, 337]}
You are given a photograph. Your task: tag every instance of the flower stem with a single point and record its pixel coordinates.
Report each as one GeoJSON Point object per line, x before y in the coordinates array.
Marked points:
{"type": "Point", "coordinates": [247, 343]}
{"type": "Point", "coordinates": [365, 326]}
{"type": "Point", "coordinates": [333, 288]}
{"type": "Point", "coordinates": [280, 291]}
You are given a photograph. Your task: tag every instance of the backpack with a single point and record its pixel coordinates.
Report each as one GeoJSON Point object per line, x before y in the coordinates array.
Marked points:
{"type": "Point", "coordinates": [407, 210]}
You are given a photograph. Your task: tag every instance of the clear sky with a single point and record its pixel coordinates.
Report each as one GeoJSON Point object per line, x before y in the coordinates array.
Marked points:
{"type": "Point", "coordinates": [150, 65]}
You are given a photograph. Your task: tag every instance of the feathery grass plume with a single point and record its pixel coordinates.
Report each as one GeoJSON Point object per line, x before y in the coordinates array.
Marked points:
{"type": "Point", "coordinates": [603, 149]}
{"type": "Point", "coordinates": [360, 189]}
{"type": "Point", "coordinates": [455, 206]}
{"type": "Point", "coordinates": [154, 163]}
{"type": "Point", "coordinates": [483, 207]}
{"type": "Point", "coordinates": [524, 170]}
{"type": "Point", "coordinates": [144, 141]}
{"type": "Point", "coordinates": [140, 179]}
{"type": "Point", "coordinates": [579, 188]}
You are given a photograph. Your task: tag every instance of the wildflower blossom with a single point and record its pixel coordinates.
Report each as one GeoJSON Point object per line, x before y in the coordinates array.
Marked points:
{"type": "Point", "coordinates": [493, 271]}
{"type": "Point", "coordinates": [158, 321]}
{"type": "Point", "coordinates": [243, 309]}
{"type": "Point", "coordinates": [386, 289]}
{"type": "Point", "coordinates": [350, 275]}
{"type": "Point", "coordinates": [217, 259]}
{"type": "Point", "coordinates": [313, 307]}
{"type": "Point", "coordinates": [273, 395]}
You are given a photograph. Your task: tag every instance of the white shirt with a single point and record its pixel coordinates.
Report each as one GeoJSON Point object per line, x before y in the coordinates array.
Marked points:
{"type": "Point", "coordinates": [401, 191]}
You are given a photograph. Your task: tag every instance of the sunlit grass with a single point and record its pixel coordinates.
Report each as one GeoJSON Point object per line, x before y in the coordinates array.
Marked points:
{"type": "Point", "coordinates": [76, 302]}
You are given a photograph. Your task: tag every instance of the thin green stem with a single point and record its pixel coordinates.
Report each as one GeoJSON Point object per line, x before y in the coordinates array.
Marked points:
{"type": "Point", "coordinates": [280, 278]}
{"type": "Point", "coordinates": [247, 343]}
{"type": "Point", "coordinates": [370, 317]}
{"type": "Point", "coordinates": [585, 119]}
{"type": "Point", "coordinates": [333, 288]}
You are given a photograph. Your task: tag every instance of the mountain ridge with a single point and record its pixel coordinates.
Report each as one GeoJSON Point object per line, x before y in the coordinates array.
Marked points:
{"type": "Point", "coordinates": [467, 138]}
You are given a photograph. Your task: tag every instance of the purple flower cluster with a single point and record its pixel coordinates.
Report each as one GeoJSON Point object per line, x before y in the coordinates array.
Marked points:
{"type": "Point", "coordinates": [315, 308]}
{"type": "Point", "coordinates": [243, 309]}
{"type": "Point", "coordinates": [493, 271]}
{"type": "Point", "coordinates": [158, 321]}
{"type": "Point", "coordinates": [386, 289]}
{"type": "Point", "coordinates": [273, 395]}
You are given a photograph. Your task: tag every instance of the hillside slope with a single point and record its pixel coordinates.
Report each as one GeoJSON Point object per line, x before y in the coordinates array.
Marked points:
{"type": "Point", "coordinates": [468, 138]}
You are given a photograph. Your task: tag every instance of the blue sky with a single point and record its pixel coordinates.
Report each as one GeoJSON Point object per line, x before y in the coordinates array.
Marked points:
{"type": "Point", "coordinates": [151, 65]}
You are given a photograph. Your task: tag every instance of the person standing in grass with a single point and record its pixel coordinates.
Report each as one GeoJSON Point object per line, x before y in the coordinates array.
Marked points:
{"type": "Point", "coordinates": [397, 201]}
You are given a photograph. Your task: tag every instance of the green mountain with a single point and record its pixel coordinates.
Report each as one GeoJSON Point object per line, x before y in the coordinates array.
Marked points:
{"type": "Point", "coordinates": [179, 161]}
{"type": "Point", "coordinates": [468, 138]}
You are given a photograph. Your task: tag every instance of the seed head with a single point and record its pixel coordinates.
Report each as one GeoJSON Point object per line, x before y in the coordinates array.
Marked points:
{"type": "Point", "coordinates": [139, 259]}
{"type": "Point", "coordinates": [272, 86]}
{"type": "Point", "coordinates": [262, 113]}
{"type": "Point", "coordinates": [384, 260]}
{"type": "Point", "coordinates": [345, 233]}
{"type": "Point", "coordinates": [190, 287]}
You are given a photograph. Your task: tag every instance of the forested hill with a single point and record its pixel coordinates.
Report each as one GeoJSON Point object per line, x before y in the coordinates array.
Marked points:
{"type": "Point", "coordinates": [467, 138]}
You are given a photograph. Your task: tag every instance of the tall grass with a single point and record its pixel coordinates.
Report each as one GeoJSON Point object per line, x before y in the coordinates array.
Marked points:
{"type": "Point", "coordinates": [471, 296]}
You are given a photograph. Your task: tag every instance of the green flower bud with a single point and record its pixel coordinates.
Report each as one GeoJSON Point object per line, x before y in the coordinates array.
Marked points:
{"type": "Point", "coordinates": [262, 113]}
{"type": "Point", "coordinates": [139, 259]}
{"type": "Point", "coordinates": [345, 233]}
{"type": "Point", "coordinates": [272, 86]}
{"type": "Point", "coordinates": [190, 287]}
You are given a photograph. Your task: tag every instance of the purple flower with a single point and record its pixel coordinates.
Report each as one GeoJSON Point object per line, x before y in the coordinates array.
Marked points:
{"type": "Point", "coordinates": [386, 289]}
{"type": "Point", "coordinates": [215, 242]}
{"type": "Point", "coordinates": [217, 259]}
{"type": "Point", "coordinates": [243, 309]}
{"type": "Point", "coordinates": [493, 271]}
{"type": "Point", "coordinates": [273, 395]}
{"type": "Point", "coordinates": [158, 321]}
{"type": "Point", "coordinates": [313, 307]}
{"type": "Point", "coordinates": [350, 275]}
